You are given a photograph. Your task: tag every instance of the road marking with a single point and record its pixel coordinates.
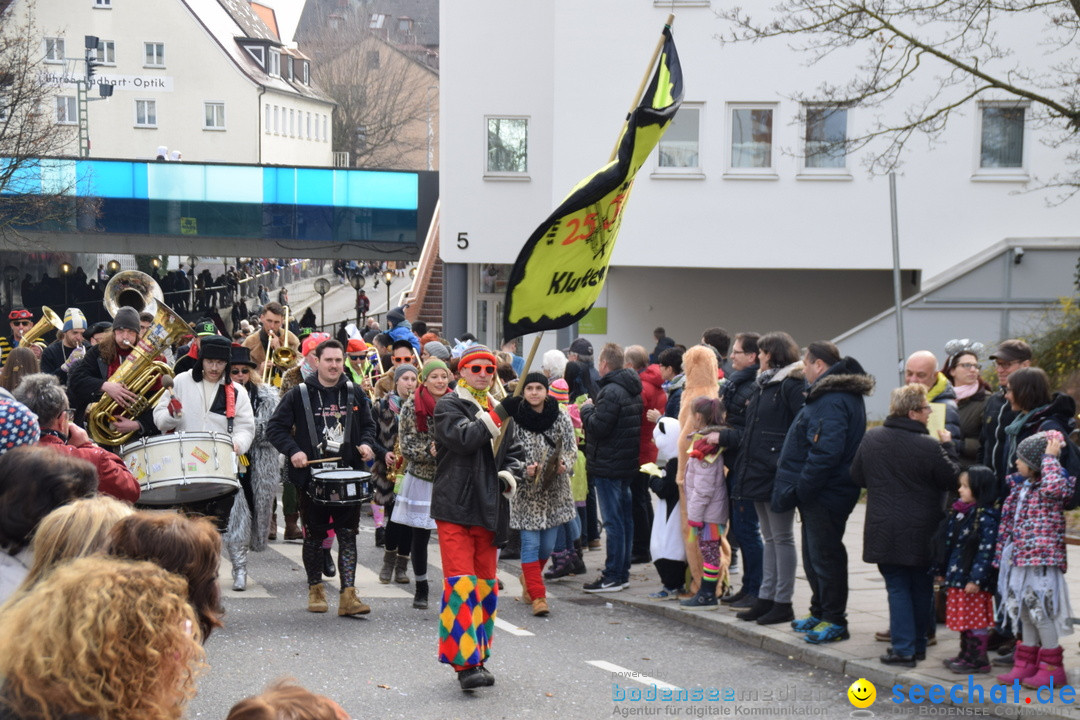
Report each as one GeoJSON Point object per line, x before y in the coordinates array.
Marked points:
{"type": "Point", "coordinates": [254, 589]}
{"type": "Point", "coordinates": [367, 580]}
{"type": "Point", "coordinates": [511, 582]}
{"type": "Point", "coordinates": [631, 675]}
{"type": "Point", "coordinates": [512, 629]}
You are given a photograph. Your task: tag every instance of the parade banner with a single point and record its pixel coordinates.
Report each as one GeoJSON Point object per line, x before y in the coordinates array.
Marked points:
{"type": "Point", "coordinates": [561, 269]}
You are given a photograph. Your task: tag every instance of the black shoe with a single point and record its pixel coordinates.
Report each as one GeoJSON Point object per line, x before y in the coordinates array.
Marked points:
{"type": "Point", "coordinates": [779, 613]}
{"type": "Point", "coordinates": [729, 599]}
{"type": "Point", "coordinates": [380, 537]}
{"type": "Point", "coordinates": [920, 655]}
{"type": "Point", "coordinates": [747, 601]}
{"type": "Point", "coordinates": [487, 674]}
{"type": "Point", "coordinates": [474, 677]}
{"type": "Point", "coordinates": [602, 585]}
{"type": "Point", "coordinates": [641, 559]}
{"type": "Point", "coordinates": [758, 609]}
{"type": "Point", "coordinates": [420, 599]}
{"type": "Point", "coordinates": [891, 658]}
{"type": "Point", "coordinates": [328, 567]}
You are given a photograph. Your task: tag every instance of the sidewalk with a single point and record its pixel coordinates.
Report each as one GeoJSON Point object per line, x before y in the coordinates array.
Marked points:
{"type": "Point", "coordinates": [868, 613]}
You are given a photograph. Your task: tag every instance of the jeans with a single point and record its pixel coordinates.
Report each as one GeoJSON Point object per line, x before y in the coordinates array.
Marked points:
{"type": "Point", "coordinates": [779, 559]}
{"type": "Point", "coordinates": [745, 528]}
{"type": "Point", "coordinates": [825, 561]}
{"type": "Point", "coordinates": [614, 497]}
{"type": "Point", "coordinates": [538, 544]}
{"type": "Point", "coordinates": [566, 534]}
{"type": "Point", "coordinates": [911, 593]}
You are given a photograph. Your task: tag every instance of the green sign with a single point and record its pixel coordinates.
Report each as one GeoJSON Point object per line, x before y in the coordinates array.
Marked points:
{"type": "Point", "coordinates": [594, 322]}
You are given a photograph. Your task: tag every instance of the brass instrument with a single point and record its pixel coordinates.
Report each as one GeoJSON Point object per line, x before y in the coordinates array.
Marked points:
{"type": "Point", "coordinates": [283, 357]}
{"type": "Point", "coordinates": [141, 371]}
{"type": "Point", "coordinates": [48, 317]}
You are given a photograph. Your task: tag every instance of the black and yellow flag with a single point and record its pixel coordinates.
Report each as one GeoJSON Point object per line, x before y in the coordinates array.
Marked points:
{"type": "Point", "coordinates": [559, 273]}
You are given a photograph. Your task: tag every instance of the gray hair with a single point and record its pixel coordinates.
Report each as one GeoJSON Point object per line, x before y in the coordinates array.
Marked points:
{"type": "Point", "coordinates": [553, 364]}
{"type": "Point", "coordinates": [43, 395]}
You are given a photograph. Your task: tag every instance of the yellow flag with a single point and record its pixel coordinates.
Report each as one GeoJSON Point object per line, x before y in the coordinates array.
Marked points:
{"type": "Point", "coordinates": [561, 270]}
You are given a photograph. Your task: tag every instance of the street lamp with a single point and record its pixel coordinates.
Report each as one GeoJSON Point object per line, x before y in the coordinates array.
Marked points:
{"type": "Point", "coordinates": [387, 277]}
{"type": "Point", "coordinates": [357, 281]}
{"type": "Point", "coordinates": [65, 270]}
{"type": "Point", "coordinates": [113, 267]}
{"type": "Point", "coordinates": [11, 274]}
{"type": "Point", "coordinates": [322, 286]}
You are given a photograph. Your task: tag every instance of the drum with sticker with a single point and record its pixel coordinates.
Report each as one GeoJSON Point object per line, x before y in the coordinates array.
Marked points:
{"type": "Point", "coordinates": [182, 468]}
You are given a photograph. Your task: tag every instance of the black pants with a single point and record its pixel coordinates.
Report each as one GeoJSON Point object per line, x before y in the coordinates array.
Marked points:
{"type": "Point", "coordinates": [641, 505]}
{"type": "Point", "coordinates": [317, 521]}
{"type": "Point", "coordinates": [825, 561]}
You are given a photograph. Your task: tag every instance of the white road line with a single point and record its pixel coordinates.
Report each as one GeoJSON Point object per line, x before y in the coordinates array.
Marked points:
{"type": "Point", "coordinates": [631, 675]}
{"type": "Point", "coordinates": [512, 629]}
{"type": "Point", "coordinates": [367, 580]}
{"type": "Point", "coordinates": [509, 581]}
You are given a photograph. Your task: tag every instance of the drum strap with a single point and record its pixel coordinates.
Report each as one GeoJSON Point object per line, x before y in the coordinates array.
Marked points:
{"type": "Point", "coordinates": [306, 398]}
{"type": "Point", "coordinates": [349, 398]}
{"type": "Point", "coordinates": [230, 405]}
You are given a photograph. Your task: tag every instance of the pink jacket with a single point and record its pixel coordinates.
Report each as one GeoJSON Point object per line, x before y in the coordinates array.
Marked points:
{"type": "Point", "coordinates": [1038, 536]}
{"type": "Point", "coordinates": [706, 491]}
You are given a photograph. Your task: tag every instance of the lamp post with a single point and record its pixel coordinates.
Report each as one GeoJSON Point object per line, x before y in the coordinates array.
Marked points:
{"type": "Point", "coordinates": [387, 277]}
{"type": "Point", "coordinates": [65, 271]}
{"type": "Point", "coordinates": [192, 259]}
{"type": "Point", "coordinates": [322, 286]}
{"type": "Point", "coordinates": [113, 267]}
{"type": "Point", "coordinates": [11, 274]}
{"type": "Point", "coordinates": [357, 281]}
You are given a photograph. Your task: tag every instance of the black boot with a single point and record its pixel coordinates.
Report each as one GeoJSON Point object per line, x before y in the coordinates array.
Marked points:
{"type": "Point", "coordinates": [420, 599]}
{"type": "Point", "coordinates": [759, 608]}
{"type": "Point", "coordinates": [380, 537]}
{"type": "Point", "coordinates": [779, 613]}
{"type": "Point", "coordinates": [328, 568]}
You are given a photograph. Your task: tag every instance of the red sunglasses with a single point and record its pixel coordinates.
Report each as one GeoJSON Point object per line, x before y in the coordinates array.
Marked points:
{"type": "Point", "coordinates": [478, 369]}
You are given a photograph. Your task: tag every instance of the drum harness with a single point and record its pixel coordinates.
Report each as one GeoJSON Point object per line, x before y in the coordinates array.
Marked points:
{"type": "Point", "coordinates": [305, 396]}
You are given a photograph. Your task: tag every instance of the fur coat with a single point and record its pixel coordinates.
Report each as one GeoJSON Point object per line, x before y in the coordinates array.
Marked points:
{"type": "Point", "coordinates": [265, 473]}
{"type": "Point", "coordinates": [537, 505]}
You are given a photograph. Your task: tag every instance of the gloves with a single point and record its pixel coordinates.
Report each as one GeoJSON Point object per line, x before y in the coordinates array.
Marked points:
{"type": "Point", "coordinates": [76, 355]}
{"type": "Point", "coordinates": [175, 408]}
{"type": "Point", "coordinates": [656, 484]}
{"type": "Point", "coordinates": [508, 408]}
{"type": "Point", "coordinates": [508, 484]}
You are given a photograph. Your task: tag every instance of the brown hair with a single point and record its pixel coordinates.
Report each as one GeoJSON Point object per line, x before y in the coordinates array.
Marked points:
{"type": "Point", "coordinates": [190, 547]}
{"type": "Point", "coordinates": [57, 479]}
{"type": "Point", "coordinates": [1030, 387]}
{"type": "Point", "coordinates": [272, 307]}
{"type": "Point", "coordinates": [613, 355]}
{"type": "Point", "coordinates": [780, 346]}
{"type": "Point", "coordinates": [285, 700]}
{"type": "Point", "coordinates": [823, 350]}
{"type": "Point", "coordinates": [21, 361]}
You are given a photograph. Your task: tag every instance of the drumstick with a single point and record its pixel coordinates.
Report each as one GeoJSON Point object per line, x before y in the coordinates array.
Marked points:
{"type": "Point", "coordinates": [323, 460]}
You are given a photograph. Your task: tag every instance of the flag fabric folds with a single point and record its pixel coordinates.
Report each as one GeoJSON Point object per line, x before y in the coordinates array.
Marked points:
{"type": "Point", "coordinates": [561, 269]}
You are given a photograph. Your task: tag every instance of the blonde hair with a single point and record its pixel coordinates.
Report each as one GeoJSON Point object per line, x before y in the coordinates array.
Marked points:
{"type": "Point", "coordinates": [285, 700]}
{"type": "Point", "coordinates": [906, 399]}
{"type": "Point", "coordinates": [101, 637]}
{"type": "Point", "coordinates": [75, 530]}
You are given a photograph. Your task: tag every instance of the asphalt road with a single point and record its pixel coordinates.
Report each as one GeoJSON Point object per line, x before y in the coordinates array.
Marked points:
{"type": "Point", "coordinates": [590, 658]}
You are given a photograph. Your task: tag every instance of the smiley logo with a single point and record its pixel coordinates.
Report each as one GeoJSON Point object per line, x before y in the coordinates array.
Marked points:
{"type": "Point", "coordinates": [862, 693]}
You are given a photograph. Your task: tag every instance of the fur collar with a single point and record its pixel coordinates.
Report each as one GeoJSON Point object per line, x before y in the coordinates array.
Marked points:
{"type": "Point", "coordinates": [794, 371]}
{"type": "Point", "coordinates": [846, 376]}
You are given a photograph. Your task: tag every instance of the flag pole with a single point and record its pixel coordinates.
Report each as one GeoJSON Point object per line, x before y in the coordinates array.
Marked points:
{"type": "Point", "coordinates": [644, 81]}
{"type": "Point", "coordinates": [520, 386]}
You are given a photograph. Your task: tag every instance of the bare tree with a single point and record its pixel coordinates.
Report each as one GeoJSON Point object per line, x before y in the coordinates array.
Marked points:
{"type": "Point", "coordinates": [29, 133]}
{"type": "Point", "coordinates": [382, 94]}
{"type": "Point", "coordinates": [957, 49]}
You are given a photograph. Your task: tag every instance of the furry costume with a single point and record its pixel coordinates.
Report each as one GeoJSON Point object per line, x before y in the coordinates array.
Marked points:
{"type": "Point", "coordinates": [265, 472]}
{"type": "Point", "coordinates": [699, 368]}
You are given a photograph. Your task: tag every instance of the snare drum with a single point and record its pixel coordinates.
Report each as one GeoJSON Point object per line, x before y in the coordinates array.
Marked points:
{"type": "Point", "coordinates": [181, 468]}
{"type": "Point", "coordinates": [339, 486]}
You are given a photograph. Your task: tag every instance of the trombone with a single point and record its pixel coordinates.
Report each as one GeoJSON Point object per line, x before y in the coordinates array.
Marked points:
{"type": "Point", "coordinates": [283, 357]}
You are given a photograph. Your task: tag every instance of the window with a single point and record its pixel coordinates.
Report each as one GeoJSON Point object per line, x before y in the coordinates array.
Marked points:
{"type": "Point", "coordinates": [305, 76]}
{"type": "Point", "coordinates": [107, 52]}
{"type": "Point", "coordinates": [257, 52]}
{"type": "Point", "coordinates": [507, 145]}
{"type": "Point", "coordinates": [289, 67]}
{"type": "Point", "coordinates": [54, 50]}
{"type": "Point", "coordinates": [751, 139]}
{"type": "Point", "coordinates": [1002, 137]}
{"type": "Point", "coordinates": [307, 134]}
{"type": "Point", "coordinates": [214, 116]}
{"type": "Point", "coordinates": [679, 148]}
{"type": "Point", "coordinates": [292, 123]}
{"type": "Point", "coordinates": [67, 112]}
{"type": "Point", "coordinates": [325, 136]}
{"type": "Point", "coordinates": [826, 137]}
{"type": "Point", "coordinates": [275, 64]}
{"type": "Point", "coordinates": [266, 117]}
{"type": "Point", "coordinates": [103, 3]}
{"type": "Point", "coordinates": [146, 113]}
{"type": "Point", "coordinates": [155, 55]}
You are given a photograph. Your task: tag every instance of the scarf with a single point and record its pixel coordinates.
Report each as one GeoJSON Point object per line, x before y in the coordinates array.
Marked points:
{"type": "Point", "coordinates": [965, 391]}
{"type": "Point", "coordinates": [482, 397]}
{"type": "Point", "coordinates": [424, 406]}
{"type": "Point", "coordinates": [393, 401]}
{"type": "Point", "coordinates": [962, 507]}
{"type": "Point", "coordinates": [306, 371]}
{"type": "Point", "coordinates": [675, 383]}
{"type": "Point", "coordinates": [1012, 430]}
{"type": "Point", "coordinates": [538, 422]}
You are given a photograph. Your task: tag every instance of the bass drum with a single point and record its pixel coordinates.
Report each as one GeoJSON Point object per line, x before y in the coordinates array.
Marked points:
{"type": "Point", "coordinates": [182, 468]}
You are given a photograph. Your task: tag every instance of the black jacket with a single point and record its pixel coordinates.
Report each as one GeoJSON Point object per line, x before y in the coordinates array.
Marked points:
{"type": "Point", "coordinates": [467, 489]}
{"type": "Point", "coordinates": [775, 402]}
{"type": "Point", "coordinates": [613, 426]}
{"type": "Point", "coordinates": [86, 378]}
{"type": "Point", "coordinates": [971, 417]}
{"type": "Point", "coordinates": [907, 475]}
{"type": "Point", "coordinates": [993, 444]}
{"type": "Point", "coordinates": [53, 357]}
{"type": "Point", "coordinates": [735, 394]}
{"type": "Point", "coordinates": [288, 432]}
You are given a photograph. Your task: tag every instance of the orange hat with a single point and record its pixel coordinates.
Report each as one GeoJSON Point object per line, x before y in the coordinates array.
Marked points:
{"type": "Point", "coordinates": [356, 345]}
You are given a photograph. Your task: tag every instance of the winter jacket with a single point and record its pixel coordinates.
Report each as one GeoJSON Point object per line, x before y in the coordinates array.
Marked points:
{"type": "Point", "coordinates": [971, 418]}
{"type": "Point", "coordinates": [613, 426]}
{"type": "Point", "coordinates": [416, 445]}
{"type": "Point", "coordinates": [1038, 535]}
{"type": "Point", "coordinates": [386, 433]}
{"type": "Point", "coordinates": [674, 396]}
{"type": "Point", "coordinates": [970, 541]}
{"type": "Point", "coordinates": [468, 489]}
{"type": "Point", "coordinates": [197, 417]}
{"type": "Point", "coordinates": [403, 333]}
{"type": "Point", "coordinates": [815, 460]}
{"type": "Point", "coordinates": [776, 399]}
{"type": "Point", "coordinates": [735, 393]}
{"type": "Point", "coordinates": [265, 467]}
{"type": "Point", "coordinates": [288, 427]}
{"type": "Point", "coordinates": [654, 398]}
{"type": "Point", "coordinates": [53, 358]}
{"type": "Point", "coordinates": [114, 478]}
{"type": "Point", "coordinates": [943, 394]}
{"type": "Point", "coordinates": [706, 490]}
{"type": "Point", "coordinates": [906, 474]}
{"type": "Point", "coordinates": [537, 505]}
{"type": "Point", "coordinates": [993, 444]}
{"type": "Point", "coordinates": [87, 376]}
{"type": "Point", "coordinates": [1059, 414]}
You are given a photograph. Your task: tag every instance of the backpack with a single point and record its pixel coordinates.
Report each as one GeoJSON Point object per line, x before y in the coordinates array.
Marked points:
{"type": "Point", "coordinates": [1070, 460]}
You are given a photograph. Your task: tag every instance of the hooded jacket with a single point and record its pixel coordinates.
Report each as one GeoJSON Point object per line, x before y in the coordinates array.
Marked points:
{"type": "Point", "coordinates": [653, 397]}
{"type": "Point", "coordinates": [943, 394]}
{"type": "Point", "coordinates": [815, 461]}
{"type": "Point", "coordinates": [776, 399]}
{"type": "Point", "coordinates": [612, 426]}
{"type": "Point", "coordinates": [735, 394]}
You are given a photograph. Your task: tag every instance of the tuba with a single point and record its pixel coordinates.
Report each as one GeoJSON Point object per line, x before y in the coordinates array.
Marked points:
{"type": "Point", "coordinates": [141, 371]}
{"type": "Point", "coordinates": [48, 318]}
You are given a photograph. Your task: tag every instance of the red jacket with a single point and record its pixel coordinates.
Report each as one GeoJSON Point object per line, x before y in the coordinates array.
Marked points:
{"type": "Point", "coordinates": [113, 476]}
{"type": "Point", "coordinates": [654, 398]}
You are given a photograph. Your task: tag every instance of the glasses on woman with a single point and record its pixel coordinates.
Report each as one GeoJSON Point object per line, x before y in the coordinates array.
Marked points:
{"type": "Point", "coordinates": [481, 369]}
{"type": "Point", "coordinates": [967, 365]}
{"type": "Point", "coordinates": [399, 359]}
{"type": "Point", "coordinates": [241, 371]}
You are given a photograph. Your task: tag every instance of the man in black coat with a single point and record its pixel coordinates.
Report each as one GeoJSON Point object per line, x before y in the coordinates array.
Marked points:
{"type": "Point", "coordinates": [326, 416]}
{"type": "Point", "coordinates": [1010, 356]}
{"type": "Point", "coordinates": [612, 426]}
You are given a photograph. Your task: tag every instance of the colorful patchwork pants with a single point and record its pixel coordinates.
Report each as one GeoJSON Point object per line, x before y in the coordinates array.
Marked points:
{"type": "Point", "coordinates": [470, 594]}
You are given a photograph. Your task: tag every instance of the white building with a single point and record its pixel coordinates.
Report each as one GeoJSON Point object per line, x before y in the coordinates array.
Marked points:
{"type": "Point", "coordinates": [727, 225]}
{"type": "Point", "coordinates": [209, 78]}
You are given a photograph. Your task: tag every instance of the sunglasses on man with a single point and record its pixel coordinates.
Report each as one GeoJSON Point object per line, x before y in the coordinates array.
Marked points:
{"type": "Point", "coordinates": [481, 369]}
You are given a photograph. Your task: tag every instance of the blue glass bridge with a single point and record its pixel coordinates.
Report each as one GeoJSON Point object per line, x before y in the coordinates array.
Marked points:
{"type": "Point", "coordinates": [93, 205]}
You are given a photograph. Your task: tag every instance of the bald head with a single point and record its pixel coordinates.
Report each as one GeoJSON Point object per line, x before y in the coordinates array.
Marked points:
{"type": "Point", "coordinates": [922, 368]}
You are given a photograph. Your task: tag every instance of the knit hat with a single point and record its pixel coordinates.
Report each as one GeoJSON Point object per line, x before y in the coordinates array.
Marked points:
{"type": "Point", "coordinates": [401, 369]}
{"type": "Point", "coordinates": [74, 320]}
{"type": "Point", "coordinates": [126, 318]}
{"type": "Point", "coordinates": [18, 426]}
{"type": "Point", "coordinates": [1032, 449]}
{"type": "Point", "coordinates": [428, 337]}
{"type": "Point", "coordinates": [356, 345]}
{"type": "Point", "coordinates": [476, 352]}
{"type": "Point", "coordinates": [431, 365]}
{"type": "Point", "coordinates": [535, 377]}
{"type": "Point", "coordinates": [205, 327]}
{"type": "Point", "coordinates": [313, 341]}
{"type": "Point", "coordinates": [560, 391]}
{"type": "Point", "coordinates": [215, 347]}
{"type": "Point", "coordinates": [395, 316]}
{"type": "Point", "coordinates": [437, 349]}
{"type": "Point", "coordinates": [98, 327]}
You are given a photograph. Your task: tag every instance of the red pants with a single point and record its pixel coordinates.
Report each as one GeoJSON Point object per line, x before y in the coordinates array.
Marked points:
{"type": "Point", "coordinates": [466, 550]}
{"type": "Point", "coordinates": [470, 595]}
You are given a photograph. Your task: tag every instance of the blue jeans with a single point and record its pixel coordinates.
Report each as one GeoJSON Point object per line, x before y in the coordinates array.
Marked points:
{"type": "Point", "coordinates": [747, 532]}
{"type": "Point", "coordinates": [567, 533]}
{"type": "Point", "coordinates": [616, 508]}
{"type": "Point", "coordinates": [537, 544]}
{"type": "Point", "coordinates": [911, 592]}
